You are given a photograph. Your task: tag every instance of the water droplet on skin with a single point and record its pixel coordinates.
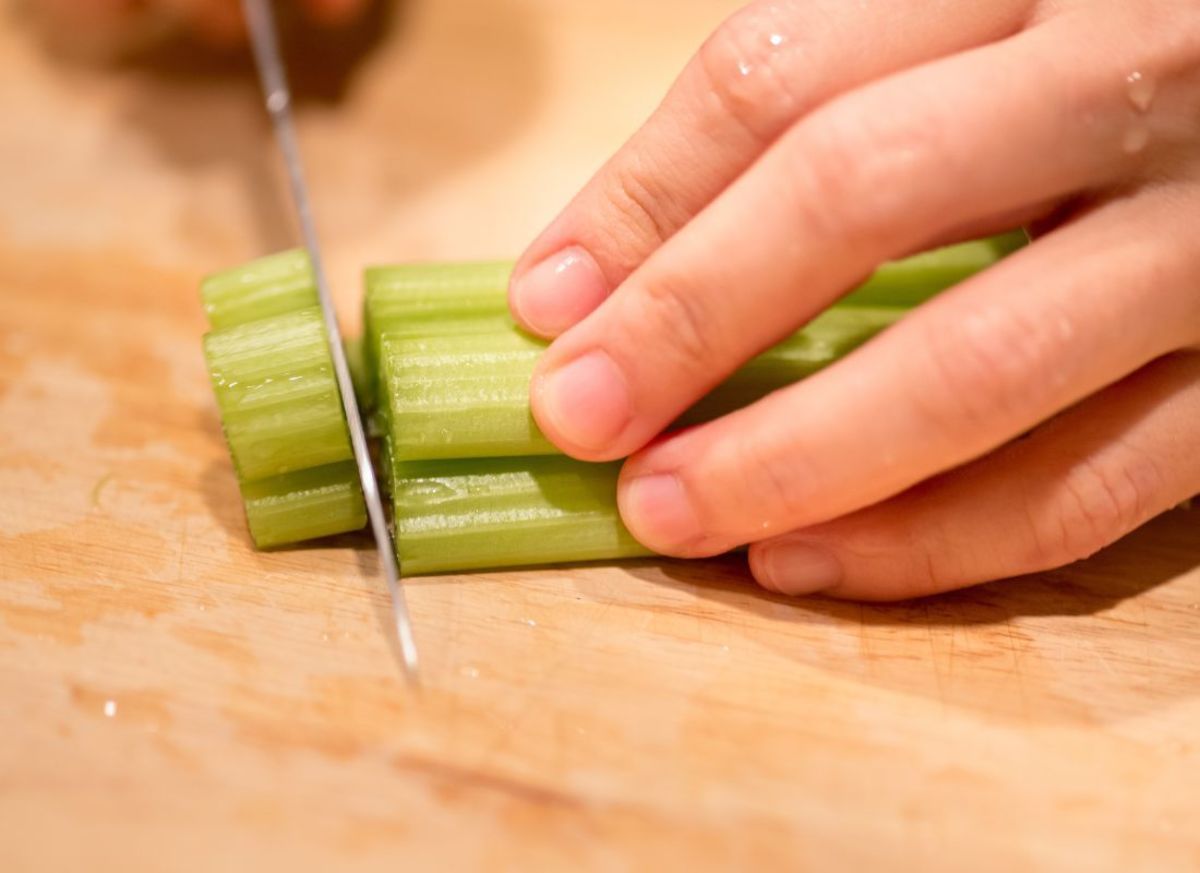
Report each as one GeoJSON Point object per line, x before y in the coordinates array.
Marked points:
{"type": "Point", "coordinates": [470, 672]}
{"type": "Point", "coordinates": [1140, 91]}
{"type": "Point", "coordinates": [110, 708]}
{"type": "Point", "coordinates": [1135, 139]}
{"type": "Point", "coordinates": [744, 68]}
{"type": "Point", "coordinates": [531, 622]}
{"type": "Point", "coordinates": [775, 39]}
{"type": "Point", "coordinates": [724, 648]}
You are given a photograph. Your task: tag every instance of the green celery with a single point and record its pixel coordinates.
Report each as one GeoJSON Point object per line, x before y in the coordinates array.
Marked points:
{"type": "Point", "coordinates": [431, 297]}
{"type": "Point", "coordinates": [269, 286]}
{"type": "Point", "coordinates": [424, 298]}
{"type": "Point", "coordinates": [357, 365]}
{"type": "Point", "coordinates": [460, 395]}
{"type": "Point", "coordinates": [274, 383]}
{"type": "Point", "coordinates": [503, 512]}
{"type": "Point", "coordinates": [830, 336]}
{"type": "Point", "coordinates": [915, 279]}
{"type": "Point", "coordinates": [304, 504]}
{"type": "Point", "coordinates": [467, 395]}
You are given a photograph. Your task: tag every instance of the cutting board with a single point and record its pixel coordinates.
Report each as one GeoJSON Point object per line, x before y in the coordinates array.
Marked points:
{"type": "Point", "coordinates": [172, 700]}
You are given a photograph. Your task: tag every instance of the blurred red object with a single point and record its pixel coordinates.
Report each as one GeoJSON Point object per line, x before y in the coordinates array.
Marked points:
{"type": "Point", "coordinates": [106, 29]}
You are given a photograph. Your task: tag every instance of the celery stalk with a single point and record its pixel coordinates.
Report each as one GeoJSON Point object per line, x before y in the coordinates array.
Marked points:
{"type": "Point", "coordinates": [270, 286]}
{"type": "Point", "coordinates": [915, 279]}
{"type": "Point", "coordinates": [464, 515]}
{"type": "Point", "coordinates": [431, 297]}
{"type": "Point", "coordinates": [452, 374]}
{"type": "Point", "coordinates": [459, 396]}
{"type": "Point", "coordinates": [463, 396]}
{"type": "Point", "coordinates": [304, 504]}
{"type": "Point", "coordinates": [449, 297]}
{"type": "Point", "coordinates": [830, 336]}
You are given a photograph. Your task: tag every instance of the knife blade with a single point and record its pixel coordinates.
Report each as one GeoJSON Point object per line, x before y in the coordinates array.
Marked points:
{"type": "Point", "coordinates": [264, 39]}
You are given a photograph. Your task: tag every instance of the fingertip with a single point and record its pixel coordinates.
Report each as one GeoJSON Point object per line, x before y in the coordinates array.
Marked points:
{"type": "Point", "coordinates": [656, 509]}
{"type": "Point", "coordinates": [796, 567]}
{"type": "Point", "coordinates": [557, 292]}
{"type": "Point", "coordinates": [582, 404]}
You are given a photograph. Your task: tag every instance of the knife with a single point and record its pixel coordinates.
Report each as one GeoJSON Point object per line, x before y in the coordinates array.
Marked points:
{"type": "Point", "coordinates": [264, 38]}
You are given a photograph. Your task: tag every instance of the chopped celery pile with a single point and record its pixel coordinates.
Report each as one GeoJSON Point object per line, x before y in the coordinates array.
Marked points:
{"type": "Point", "coordinates": [272, 373]}
{"type": "Point", "coordinates": [473, 482]}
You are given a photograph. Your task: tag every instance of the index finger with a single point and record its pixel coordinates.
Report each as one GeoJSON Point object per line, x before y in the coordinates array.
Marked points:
{"type": "Point", "coordinates": [763, 68]}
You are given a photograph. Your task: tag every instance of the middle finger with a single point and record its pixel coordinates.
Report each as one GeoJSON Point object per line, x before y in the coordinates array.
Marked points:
{"type": "Point", "coordinates": [868, 177]}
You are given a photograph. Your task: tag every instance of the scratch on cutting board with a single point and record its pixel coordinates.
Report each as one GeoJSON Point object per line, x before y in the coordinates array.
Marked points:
{"type": "Point", "coordinates": [98, 488]}
{"type": "Point", "coordinates": [1011, 636]}
{"type": "Point", "coordinates": [937, 673]}
{"type": "Point", "coordinates": [182, 551]}
{"type": "Point", "coordinates": [863, 644]}
{"type": "Point", "coordinates": [1103, 659]}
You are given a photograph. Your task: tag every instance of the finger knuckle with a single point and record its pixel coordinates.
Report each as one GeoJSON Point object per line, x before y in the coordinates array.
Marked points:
{"type": "Point", "coordinates": [773, 478]}
{"type": "Point", "coordinates": [988, 367]}
{"type": "Point", "coordinates": [929, 575]}
{"type": "Point", "coordinates": [855, 165]}
{"type": "Point", "coordinates": [676, 314]}
{"type": "Point", "coordinates": [646, 217]}
{"type": "Point", "coordinates": [1099, 503]}
{"type": "Point", "coordinates": [746, 73]}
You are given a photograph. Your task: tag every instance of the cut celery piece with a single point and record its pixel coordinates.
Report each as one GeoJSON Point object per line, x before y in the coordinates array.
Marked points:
{"type": "Point", "coordinates": [504, 512]}
{"type": "Point", "coordinates": [438, 291]}
{"type": "Point", "coordinates": [279, 401]}
{"type": "Point", "coordinates": [270, 286]}
{"type": "Point", "coordinates": [915, 279]}
{"type": "Point", "coordinates": [431, 297]}
{"type": "Point", "coordinates": [304, 504]}
{"type": "Point", "coordinates": [467, 396]}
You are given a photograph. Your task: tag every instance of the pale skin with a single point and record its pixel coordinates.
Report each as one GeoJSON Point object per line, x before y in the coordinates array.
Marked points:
{"type": "Point", "coordinates": [804, 144]}
{"type": "Point", "coordinates": [807, 142]}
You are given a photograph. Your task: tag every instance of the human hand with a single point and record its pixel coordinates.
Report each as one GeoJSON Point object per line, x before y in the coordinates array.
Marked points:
{"type": "Point", "coordinates": [807, 142]}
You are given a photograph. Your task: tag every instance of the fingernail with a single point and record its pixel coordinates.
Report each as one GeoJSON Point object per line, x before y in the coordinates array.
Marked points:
{"type": "Point", "coordinates": [658, 512]}
{"type": "Point", "coordinates": [558, 292]}
{"type": "Point", "coordinates": [585, 402]}
{"type": "Point", "coordinates": [797, 568]}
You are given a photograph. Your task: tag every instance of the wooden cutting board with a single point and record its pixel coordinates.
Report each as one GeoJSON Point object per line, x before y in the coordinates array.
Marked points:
{"type": "Point", "coordinates": [171, 700]}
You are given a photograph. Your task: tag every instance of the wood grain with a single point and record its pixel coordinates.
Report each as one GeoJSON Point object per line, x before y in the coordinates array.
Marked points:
{"type": "Point", "coordinates": [172, 700]}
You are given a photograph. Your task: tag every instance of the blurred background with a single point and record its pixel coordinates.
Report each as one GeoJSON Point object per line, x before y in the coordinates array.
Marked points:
{"type": "Point", "coordinates": [431, 128]}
